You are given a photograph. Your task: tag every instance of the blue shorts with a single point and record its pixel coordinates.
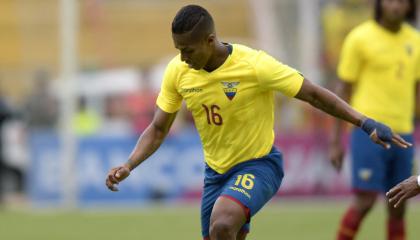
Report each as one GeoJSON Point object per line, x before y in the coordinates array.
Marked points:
{"type": "Point", "coordinates": [251, 184]}
{"type": "Point", "coordinates": [375, 168]}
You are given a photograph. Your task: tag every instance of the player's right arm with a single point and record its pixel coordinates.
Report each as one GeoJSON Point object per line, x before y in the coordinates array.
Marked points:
{"type": "Point", "coordinates": [147, 144]}
{"type": "Point", "coordinates": [152, 138]}
{"type": "Point", "coordinates": [169, 102]}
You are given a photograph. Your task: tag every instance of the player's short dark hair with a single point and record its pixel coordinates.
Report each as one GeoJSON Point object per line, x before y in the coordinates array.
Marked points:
{"type": "Point", "coordinates": [189, 16]}
{"type": "Point", "coordinates": [411, 15]}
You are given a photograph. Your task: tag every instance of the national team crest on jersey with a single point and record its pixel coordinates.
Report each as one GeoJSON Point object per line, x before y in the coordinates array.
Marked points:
{"type": "Point", "coordinates": [230, 89]}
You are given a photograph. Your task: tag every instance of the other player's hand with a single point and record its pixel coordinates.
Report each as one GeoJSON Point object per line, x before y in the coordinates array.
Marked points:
{"type": "Point", "coordinates": [403, 191]}
{"type": "Point", "coordinates": [382, 134]}
{"type": "Point", "coordinates": [115, 176]}
{"type": "Point", "coordinates": [336, 156]}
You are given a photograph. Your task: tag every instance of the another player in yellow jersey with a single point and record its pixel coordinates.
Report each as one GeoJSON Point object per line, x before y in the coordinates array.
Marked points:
{"type": "Point", "coordinates": [229, 89]}
{"type": "Point", "coordinates": [379, 69]}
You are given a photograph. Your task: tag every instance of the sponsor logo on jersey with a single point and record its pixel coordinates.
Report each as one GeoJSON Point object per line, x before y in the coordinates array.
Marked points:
{"type": "Point", "coordinates": [191, 90]}
{"type": "Point", "coordinates": [230, 89]}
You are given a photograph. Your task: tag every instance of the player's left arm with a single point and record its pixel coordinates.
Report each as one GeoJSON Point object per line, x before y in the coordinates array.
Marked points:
{"type": "Point", "coordinates": [328, 102]}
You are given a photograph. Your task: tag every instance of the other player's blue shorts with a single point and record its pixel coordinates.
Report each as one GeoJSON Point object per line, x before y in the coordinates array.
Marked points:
{"type": "Point", "coordinates": [375, 168]}
{"type": "Point", "coordinates": [251, 184]}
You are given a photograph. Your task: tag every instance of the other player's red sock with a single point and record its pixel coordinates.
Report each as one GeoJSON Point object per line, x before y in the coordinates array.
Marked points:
{"type": "Point", "coordinates": [396, 229]}
{"type": "Point", "coordinates": [349, 224]}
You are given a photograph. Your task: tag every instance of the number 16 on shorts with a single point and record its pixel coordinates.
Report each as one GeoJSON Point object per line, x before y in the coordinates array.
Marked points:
{"type": "Point", "coordinates": [246, 181]}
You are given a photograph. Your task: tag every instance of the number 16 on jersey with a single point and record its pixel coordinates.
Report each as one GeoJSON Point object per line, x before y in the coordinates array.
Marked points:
{"type": "Point", "coordinates": [212, 116]}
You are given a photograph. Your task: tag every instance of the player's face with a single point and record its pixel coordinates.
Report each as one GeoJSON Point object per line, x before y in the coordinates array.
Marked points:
{"type": "Point", "coordinates": [194, 52]}
{"type": "Point", "coordinates": [395, 11]}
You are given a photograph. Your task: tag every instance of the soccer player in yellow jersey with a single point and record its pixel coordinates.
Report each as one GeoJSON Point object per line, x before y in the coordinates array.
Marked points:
{"type": "Point", "coordinates": [380, 72]}
{"type": "Point", "coordinates": [229, 88]}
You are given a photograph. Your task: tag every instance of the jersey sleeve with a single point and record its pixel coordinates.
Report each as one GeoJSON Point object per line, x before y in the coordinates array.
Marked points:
{"type": "Point", "coordinates": [169, 100]}
{"type": "Point", "coordinates": [273, 75]}
{"type": "Point", "coordinates": [350, 59]}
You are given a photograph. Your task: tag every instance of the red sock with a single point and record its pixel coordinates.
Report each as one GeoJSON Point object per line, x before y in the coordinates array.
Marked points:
{"type": "Point", "coordinates": [349, 224]}
{"type": "Point", "coordinates": [396, 229]}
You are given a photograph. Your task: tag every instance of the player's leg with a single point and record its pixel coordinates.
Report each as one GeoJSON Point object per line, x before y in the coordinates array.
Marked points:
{"type": "Point", "coordinates": [241, 235]}
{"type": "Point", "coordinates": [396, 223]}
{"type": "Point", "coordinates": [362, 203]}
{"type": "Point", "coordinates": [258, 180]}
{"type": "Point", "coordinates": [213, 186]}
{"type": "Point", "coordinates": [227, 219]}
{"type": "Point", "coordinates": [368, 173]}
{"type": "Point", "coordinates": [399, 168]}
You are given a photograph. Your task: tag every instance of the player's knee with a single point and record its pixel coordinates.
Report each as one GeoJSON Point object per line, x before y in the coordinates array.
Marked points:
{"type": "Point", "coordinates": [222, 229]}
{"type": "Point", "coordinates": [365, 207]}
{"type": "Point", "coordinates": [365, 203]}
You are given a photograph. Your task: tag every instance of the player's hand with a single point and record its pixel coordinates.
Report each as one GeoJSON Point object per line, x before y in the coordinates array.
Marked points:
{"type": "Point", "coordinates": [115, 176]}
{"type": "Point", "coordinates": [403, 191]}
{"type": "Point", "coordinates": [382, 134]}
{"type": "Point", "coordinates": [336, 156]}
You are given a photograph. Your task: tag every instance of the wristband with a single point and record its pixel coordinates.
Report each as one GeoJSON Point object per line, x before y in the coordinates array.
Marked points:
{"type": "Point", "coordinates": [368, 125]}
{"type": "Point", "coordinates": [418, 180]}
{"type": "Point", "coordinates": [383, 132]}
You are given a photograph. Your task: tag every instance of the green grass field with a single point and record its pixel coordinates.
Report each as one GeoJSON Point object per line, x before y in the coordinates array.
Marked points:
{"type": "Point", "coordinates": [289, 220]}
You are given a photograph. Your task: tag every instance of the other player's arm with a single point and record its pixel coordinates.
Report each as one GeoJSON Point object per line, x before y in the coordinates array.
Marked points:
{"type": "Point", "coordinates": [336, 155]}
{"type": "Point", "coordinates": [328, 102]}
{"type": "Point", "coordinates": [404, 190]}
{"type": "Point", "coordinates": [147, 144]}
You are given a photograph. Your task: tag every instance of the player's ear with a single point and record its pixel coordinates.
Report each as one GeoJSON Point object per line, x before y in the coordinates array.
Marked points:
{"type": "Point", "coordinates": [211, 39]}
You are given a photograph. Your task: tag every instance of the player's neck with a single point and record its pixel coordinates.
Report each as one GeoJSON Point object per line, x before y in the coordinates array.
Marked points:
{"type": "Point", "coordinates": [218, 57]}
{"type": "Point", "coordinates": [390, 26]}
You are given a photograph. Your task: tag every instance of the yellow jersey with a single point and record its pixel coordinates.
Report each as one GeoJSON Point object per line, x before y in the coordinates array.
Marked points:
{"type": "Point", "coordinates": [232, 106]}
{"type": "Point", "coordinates": [383, 67]}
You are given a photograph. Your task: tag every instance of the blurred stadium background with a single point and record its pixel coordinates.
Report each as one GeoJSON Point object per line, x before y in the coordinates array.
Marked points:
{"type": "Point", "coordinates": [78, 82]}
